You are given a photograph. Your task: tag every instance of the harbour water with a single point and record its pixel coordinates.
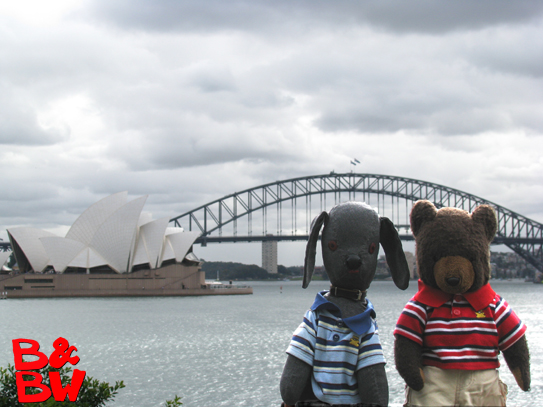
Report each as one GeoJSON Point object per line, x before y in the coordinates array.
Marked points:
{"type": "Point", "coordinates": [224, 350]}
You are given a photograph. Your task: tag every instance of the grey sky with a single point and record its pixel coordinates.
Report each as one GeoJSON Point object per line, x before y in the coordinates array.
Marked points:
{"type": "Point", "coordinates": [188, 101]}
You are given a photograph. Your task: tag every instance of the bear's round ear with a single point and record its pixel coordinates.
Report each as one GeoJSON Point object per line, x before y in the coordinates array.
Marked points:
{"type": "Point", "coordinates": [423, 211]}
{"type": "Point", "coordinates": [486, 216]}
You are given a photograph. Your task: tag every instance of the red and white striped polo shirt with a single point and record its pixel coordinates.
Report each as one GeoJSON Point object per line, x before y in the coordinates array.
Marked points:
{"type": "Point", "coordinates": [460, 331]}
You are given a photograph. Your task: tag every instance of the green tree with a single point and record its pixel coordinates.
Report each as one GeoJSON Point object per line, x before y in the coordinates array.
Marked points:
{"type": "Point", "coordinates": [93, 393]}
{"type": "Point", "coordinates": [176, 402]}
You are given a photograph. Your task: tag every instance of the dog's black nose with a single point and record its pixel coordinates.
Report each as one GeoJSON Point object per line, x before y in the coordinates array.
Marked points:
{"type": "Point", "coordinates": [353, 262]}
{"type": "Point", "coordinates": [453, 281]}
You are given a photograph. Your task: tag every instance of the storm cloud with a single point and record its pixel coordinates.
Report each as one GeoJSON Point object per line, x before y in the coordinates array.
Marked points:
{"type": "Point", "coordinates": [188, 101]}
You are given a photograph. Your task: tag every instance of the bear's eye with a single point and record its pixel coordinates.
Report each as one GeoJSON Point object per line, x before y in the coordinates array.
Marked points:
{"type": "Point", "coordinates": [332, 245]}
{"type": "Point", "coordinates": [372, 248]}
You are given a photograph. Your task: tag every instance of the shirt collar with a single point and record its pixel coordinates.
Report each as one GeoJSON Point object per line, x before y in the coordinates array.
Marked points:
{"type": "Point", "coordinates": [481, 298]}
{"type": "Point", "coordinates": [360, 324]}
{"type": "Point", "coordinates": [434, 297]}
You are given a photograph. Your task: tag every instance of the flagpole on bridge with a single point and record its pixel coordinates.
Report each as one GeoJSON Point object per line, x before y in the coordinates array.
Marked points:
{"type": "Point", "coordinates": [354, 161]}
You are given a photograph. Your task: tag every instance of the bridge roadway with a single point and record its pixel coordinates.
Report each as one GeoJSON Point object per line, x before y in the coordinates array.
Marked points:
{"type": "Point", "coordinates": [268, 238]}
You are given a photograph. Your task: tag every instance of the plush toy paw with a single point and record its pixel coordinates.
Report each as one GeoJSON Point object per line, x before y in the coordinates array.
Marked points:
{"type": "Point", "coordinates": [416, 382]}
{"type": "Point", "coordinates": [407, 355]}
{"type": "Point", "coordinates": [518, 360]}
{"type": "Point", "coordinates": [523, 380]}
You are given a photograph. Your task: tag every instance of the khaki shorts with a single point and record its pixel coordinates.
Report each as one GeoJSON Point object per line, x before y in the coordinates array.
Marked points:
{"type": "Point", "coordinates": [458, 388]}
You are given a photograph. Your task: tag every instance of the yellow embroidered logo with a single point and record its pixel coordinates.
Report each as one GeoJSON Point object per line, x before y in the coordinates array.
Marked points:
{"type": "Point", "coordinates": [354, 341]}
{"type": "Point", "coordinates": [480, 314]}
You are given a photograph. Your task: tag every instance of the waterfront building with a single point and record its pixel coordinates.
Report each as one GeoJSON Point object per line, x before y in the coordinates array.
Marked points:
{"type": "Point", "coordinates": [111, 249]}
{"type": "Point", "coordinates": [269, 256]}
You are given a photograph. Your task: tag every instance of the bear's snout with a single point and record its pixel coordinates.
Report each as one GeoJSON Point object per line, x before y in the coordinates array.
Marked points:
{"type": "Point", "coordinates": [453, 281]}
{"type": "Point", "coordinates": [454, 274]}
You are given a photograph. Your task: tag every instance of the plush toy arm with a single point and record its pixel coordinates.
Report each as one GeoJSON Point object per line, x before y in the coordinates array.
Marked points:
{"type": "Point", "coordinates": [517, 357]}
{"type": "Point", "coordinates": [407, 355]}
{"type": "Point", "coordinates": [373, 385]}
{"type": "Point", "coordinates": [295, 379]}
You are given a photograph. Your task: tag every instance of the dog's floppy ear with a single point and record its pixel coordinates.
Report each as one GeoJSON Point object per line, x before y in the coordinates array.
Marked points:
{"type": "Point", "coordinates": [311, 248]}
{"type": "Point", "coordinates": [390, 240]}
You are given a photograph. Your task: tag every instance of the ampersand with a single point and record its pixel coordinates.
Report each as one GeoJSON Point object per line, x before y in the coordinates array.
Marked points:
{"type": "Point", "coordinates": [61, 354]}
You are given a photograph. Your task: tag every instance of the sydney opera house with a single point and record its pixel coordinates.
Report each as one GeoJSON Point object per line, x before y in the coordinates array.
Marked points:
{"type": "Point", "coordinates": [112, 249]}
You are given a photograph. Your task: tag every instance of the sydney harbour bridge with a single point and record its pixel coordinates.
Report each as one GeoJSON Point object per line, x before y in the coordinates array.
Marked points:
{"type": "Point", "coordinates": [283, 210]}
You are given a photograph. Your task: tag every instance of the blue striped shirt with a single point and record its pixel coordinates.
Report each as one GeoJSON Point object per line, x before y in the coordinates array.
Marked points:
{"type": "Point", "coordinates": [336, 348]}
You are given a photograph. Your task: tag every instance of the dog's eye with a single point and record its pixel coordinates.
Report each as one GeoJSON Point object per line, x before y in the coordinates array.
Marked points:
{"type": "Point", "coordinates": [372, 248]}
{"type": "Point", "coordinates": [332, 245]}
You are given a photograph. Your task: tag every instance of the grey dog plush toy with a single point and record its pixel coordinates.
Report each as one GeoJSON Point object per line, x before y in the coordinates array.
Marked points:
{"type": "Point", "coordinates": [335, 356]}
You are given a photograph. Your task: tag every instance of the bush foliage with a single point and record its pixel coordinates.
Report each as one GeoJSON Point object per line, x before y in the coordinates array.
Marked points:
{"type": "Point", "coordinates": [93, 393]}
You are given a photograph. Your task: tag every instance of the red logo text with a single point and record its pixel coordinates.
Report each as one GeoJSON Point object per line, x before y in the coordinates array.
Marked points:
{"type": "Point", "coordinates": [60, 356]}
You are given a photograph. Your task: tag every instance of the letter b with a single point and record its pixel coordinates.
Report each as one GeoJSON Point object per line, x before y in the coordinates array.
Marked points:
{"type": "Point", "coordinates": [36, 382]}
{"type": "Point", "coordinates": [18, 353]}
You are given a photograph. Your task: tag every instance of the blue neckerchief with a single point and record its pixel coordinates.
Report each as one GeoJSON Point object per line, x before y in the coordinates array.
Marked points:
{"type": "Point", "coordinates": [360, 324]}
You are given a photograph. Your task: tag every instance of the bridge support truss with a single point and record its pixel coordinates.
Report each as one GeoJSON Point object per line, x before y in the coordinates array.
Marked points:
{"type": "Point", "coordinates": [285, 210]}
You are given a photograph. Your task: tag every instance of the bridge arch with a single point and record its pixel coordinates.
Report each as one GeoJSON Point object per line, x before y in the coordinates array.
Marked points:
{"type": "Point", "coordinates": [393, 196]}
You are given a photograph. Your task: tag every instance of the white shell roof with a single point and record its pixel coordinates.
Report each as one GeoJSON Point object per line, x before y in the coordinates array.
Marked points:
{"type": "Point", "coordinates": [28, 240]}
{"type": "Point", "coordinates": [145, 217]}
{"type": "Point", "coordinates": [167, 252]}
{"type": "Point", "coordinates": [140, 252]}
{"type": "Point", "coordinates": [150, 241]}
{"type": "Point", "coordinates": [86, 226]}
{"type": "Point", "coordinates": [170, 230]}
{"type": "Point", "coordinates": [110, 232]}
{"type": "Point", "coordinates": [115, 237]}
{"type": "Point", "coordinates": [87, 259]}
{"type": "Point", "coordinates": [181, 243]}
{"type": "Point", "coordinates": [61, 251]}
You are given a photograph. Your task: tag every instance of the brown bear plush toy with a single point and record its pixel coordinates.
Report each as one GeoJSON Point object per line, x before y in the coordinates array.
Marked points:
{"type": "Point", "coordinates": [449, 335]}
